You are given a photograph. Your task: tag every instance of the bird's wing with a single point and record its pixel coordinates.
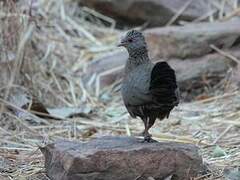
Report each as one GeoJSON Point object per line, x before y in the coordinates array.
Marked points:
{"type": "Point", "coordinates": [163, 85]}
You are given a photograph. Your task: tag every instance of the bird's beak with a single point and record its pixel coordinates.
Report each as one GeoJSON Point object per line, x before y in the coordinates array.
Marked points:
{"type": "Point", "coordinates": [121, 44]}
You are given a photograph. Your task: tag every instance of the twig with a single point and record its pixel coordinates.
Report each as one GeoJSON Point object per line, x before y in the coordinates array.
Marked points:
{"type": "Point", "coordinates": [25, 37]}
{"type": "Point", "coordinates": [225, 54]}
{"type": "Point", "coordinates": [185, 6]}
{"type": "Point", "coordinates": [222, 134]}
{"type": "Point", "coordinates": [101, 16]}
{"type": "Point", "coordinates": [81, 29]}
{"type": "Point", "coordinates": [236, 12]}
{"type": "Point", "coordinates": [208, 14]}
{"type": "Point", "coordinates": [222, 9]}
{"type": "Point", "coordinates": [22, 110]}
{"type": "Point", "coordinates": [102, 74]}
{"type": "Point", "coordinates": [226, 95]}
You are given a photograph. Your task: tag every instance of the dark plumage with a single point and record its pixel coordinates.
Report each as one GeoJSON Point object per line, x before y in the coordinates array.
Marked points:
{"type": "Point", "coordinates": [149, 90]}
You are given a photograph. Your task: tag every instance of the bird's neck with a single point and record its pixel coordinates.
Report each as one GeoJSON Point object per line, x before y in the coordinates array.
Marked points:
{"type": "Point", "coordinates": [136, 58]}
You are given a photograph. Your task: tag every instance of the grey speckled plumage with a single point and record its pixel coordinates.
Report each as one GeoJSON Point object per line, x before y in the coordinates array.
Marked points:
{"type": "Point", "coordinates": [149, 90]}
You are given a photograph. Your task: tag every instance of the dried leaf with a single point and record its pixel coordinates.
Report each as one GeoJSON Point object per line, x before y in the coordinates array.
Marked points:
{"type": "Point", "coordinates": [67, 112]}
{"type": "Point", "coordinates": [219, 152]}
{"type": "Point", "coordinates": [22, 99]}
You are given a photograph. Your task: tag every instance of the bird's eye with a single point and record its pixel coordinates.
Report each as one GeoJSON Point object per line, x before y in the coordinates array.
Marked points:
{"type": "Point", "coordinates": [130, 40]}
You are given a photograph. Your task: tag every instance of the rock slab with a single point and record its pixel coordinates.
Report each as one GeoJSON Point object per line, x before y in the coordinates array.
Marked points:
{"type": "Point", "coordinates": [191, 40]}
{"type": "Point", "coordinates": [155, 12]}
{"type": "Point", "coordinates": [121, 158]}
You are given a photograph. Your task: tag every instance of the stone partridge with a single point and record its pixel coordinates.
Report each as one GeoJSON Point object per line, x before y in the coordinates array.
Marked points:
{"type": "Point", "coordinates": [149, 91]}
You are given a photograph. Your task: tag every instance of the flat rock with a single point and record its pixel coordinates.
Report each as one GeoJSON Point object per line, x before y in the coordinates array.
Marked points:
{"type": "Point", "coordinates": [191, 40]}
{"type": "Point", "coordinates": [155, 12]}
{"type": "Point", "coordinates": [121, 158]}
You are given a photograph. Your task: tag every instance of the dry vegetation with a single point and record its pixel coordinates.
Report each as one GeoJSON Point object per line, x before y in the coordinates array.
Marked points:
{"type": "Point", "coordinates": [44, 47]}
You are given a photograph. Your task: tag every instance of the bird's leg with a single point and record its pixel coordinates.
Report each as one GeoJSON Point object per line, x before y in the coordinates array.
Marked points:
{"type": "Point", "coordinates": [145, 125]}
{"type": "Point", "coordinates": [147, 135]}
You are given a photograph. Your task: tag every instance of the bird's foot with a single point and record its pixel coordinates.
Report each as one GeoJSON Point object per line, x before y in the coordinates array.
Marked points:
{"type": "Point", "coordinates": [148, 138]}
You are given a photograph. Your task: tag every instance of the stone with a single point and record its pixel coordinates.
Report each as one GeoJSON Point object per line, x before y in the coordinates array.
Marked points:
{"type": "Point", "coordinates": [121, 158]}
{"type": "Point", "coordinates": [192, 40]}
{"type": "Point", "coordinates": [155, 12]}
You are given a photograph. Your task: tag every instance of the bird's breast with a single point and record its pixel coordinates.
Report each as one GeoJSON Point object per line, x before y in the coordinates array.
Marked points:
{"type": "Point", "coordinates": [135, 86]}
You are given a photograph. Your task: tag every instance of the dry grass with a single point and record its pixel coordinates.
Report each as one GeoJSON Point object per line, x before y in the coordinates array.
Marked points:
{"type": "Point", "coordinates": [44, 47]}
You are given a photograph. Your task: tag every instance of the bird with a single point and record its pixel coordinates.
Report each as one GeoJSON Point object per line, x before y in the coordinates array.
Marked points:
{"type": "Point", "coordinates": [148, 90]}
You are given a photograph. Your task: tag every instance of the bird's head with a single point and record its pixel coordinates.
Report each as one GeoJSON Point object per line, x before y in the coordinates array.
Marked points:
{"type": "Point", "coordinates": [133, 41]}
